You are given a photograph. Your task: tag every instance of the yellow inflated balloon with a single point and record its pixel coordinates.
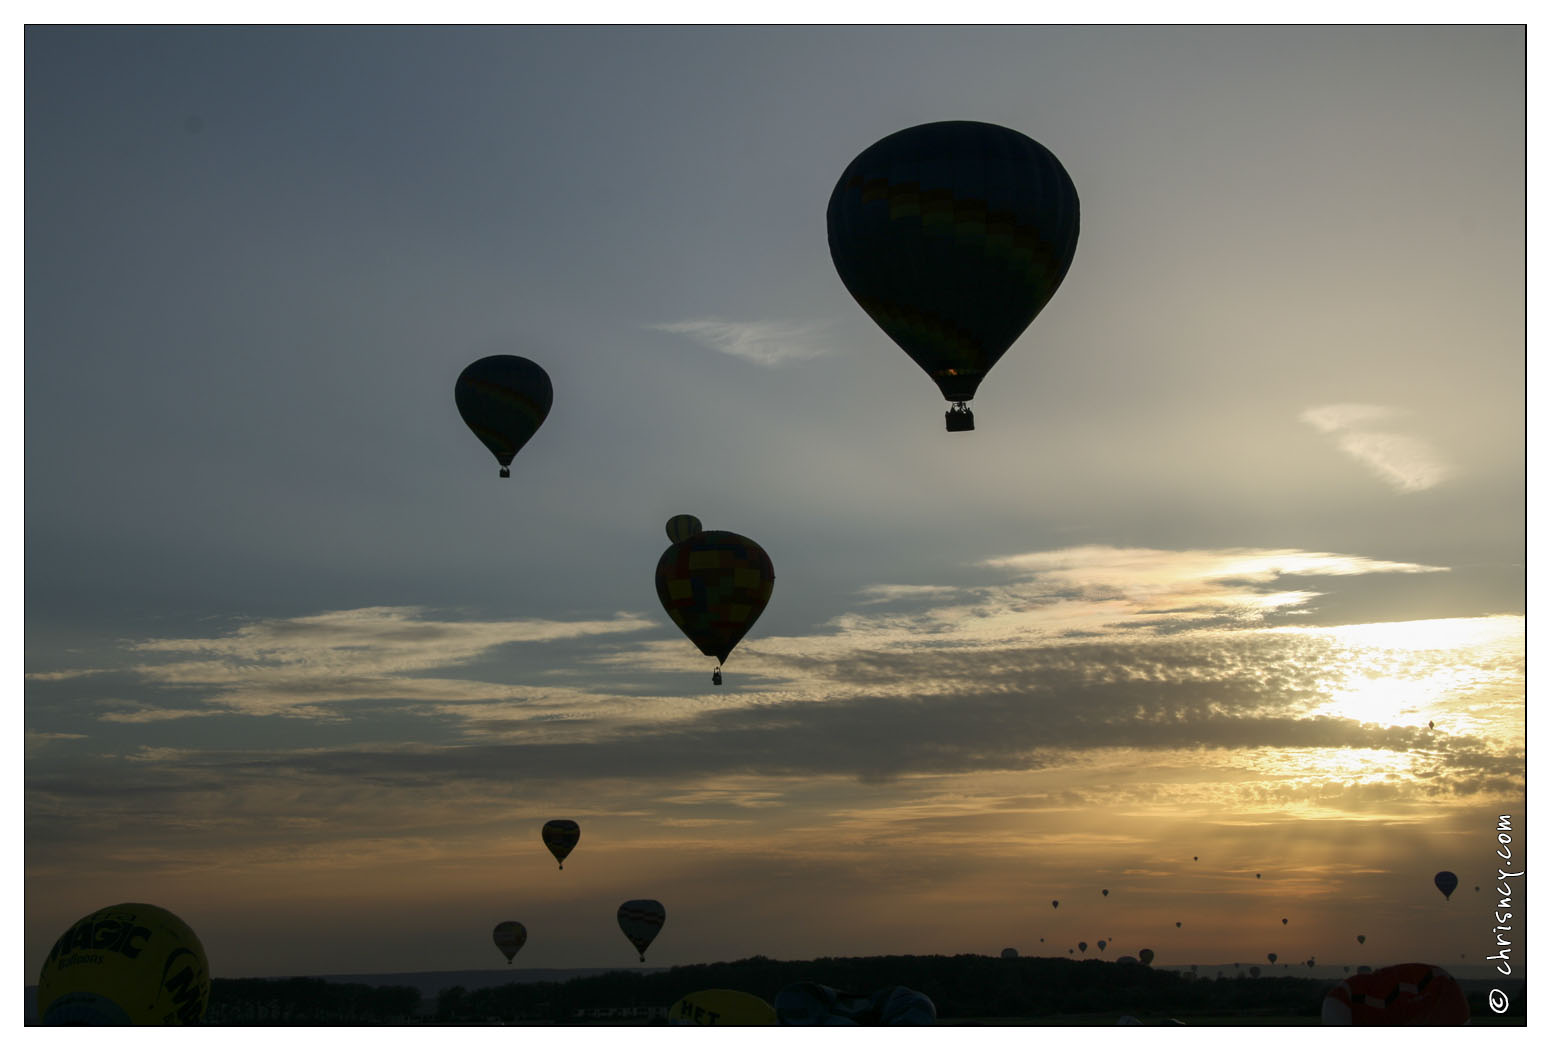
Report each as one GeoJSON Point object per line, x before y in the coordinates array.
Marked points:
{"type": "Point", "coordinates": [721, 1007]}
{"type": "Point", "coordinates": [128, 964]}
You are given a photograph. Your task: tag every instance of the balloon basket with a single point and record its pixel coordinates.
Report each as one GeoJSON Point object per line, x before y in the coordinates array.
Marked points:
{"type": "Point", "coordinates": [960, 418]}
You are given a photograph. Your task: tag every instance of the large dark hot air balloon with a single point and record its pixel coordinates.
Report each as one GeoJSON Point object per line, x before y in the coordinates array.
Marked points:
{"type": "Point", "coordinates": [503, 399]}
{"type": "Point", "coordinates": [952, 236]}
{"type": "Point", "coordinates": [1446, 882]}
{"type": "Point", "coordinates": [714, 585]}
{"type": "Point", "coordinates": [641, 919]}
{"type": "Point", "coordinates": [561, 837]}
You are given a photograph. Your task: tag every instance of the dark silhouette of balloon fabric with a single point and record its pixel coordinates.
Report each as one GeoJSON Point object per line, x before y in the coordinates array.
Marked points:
{"type": "Point", "coordinates": [1446, 882]}
{"type": "Point", "coordinates": [952, 237]}
{"type": "Point", "coordinates": [714, 585]}
{"type": "Point", "coordinates": [509, 936]}
{"type": "Point", "coordinates": [561, 837]}
{"type": "Point", "coordinates": [504, 399]}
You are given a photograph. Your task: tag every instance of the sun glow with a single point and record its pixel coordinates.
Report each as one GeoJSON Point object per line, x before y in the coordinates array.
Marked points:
{"type": "Point", "coordinates": [1455, 673]}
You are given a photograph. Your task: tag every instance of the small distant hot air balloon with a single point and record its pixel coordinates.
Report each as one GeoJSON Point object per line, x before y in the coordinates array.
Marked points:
{"type": "Point", "coordinates": [1082, 946]}
{"type": "Point", "coordinates": [1257, 875]}
{"type": "Point", "coordinates": [509, 937]}
{"type": "Point", "coordinates": [1055, 904]}
{"type": "Point", "coordinates": [1197, 858]}
{"type": "Point", "coordinates": [1146, 956]}
{"type": "Point", "coordinates": [1271, 956]}
{"type": "Point", "coordinates": [1361, 938]}
{"type": "Point", "coordinates": [714, 585]}
{"type": "Point", "coordinates": [1254, 972]}
{"type": "Point", "coordinates": [1102, 943]}
{"type": "Point", "coordinates": [1009, 953]}
{"type": "Point", "coordinates": [1284, 921]}
{"type": "Point", "coordinates": [504, 399]}
{"type": "Point", "coordinates": [561, 836]}
{"type": "Point", "coordinates": [641, 919]}
{"type": "Point", "coordinates": [1106, 892]}
{"type": "Point", "coordinates": [1178, 923]}
{"type": "Point", "coordinates": [1446, 882]}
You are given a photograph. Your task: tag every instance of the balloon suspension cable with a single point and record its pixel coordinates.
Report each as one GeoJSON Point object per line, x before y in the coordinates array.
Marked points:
{"type": "Point", "coordinates": [960, 418]}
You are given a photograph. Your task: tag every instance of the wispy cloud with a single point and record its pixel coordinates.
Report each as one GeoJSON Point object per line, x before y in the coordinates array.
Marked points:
{"type": "Point", "coordinates": [1404, 461]}
{"type": "Point", "coordinates": [768, 343]}
{"type": "Point", "coordinates": [275, 666]}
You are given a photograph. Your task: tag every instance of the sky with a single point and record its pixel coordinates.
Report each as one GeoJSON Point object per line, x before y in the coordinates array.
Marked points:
{"type": "Point", "coordinates": [1244, 512]}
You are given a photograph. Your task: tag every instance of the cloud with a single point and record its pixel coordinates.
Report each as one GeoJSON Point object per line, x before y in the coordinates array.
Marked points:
{"type": "Point", "coordinates": [1404, 461]}
{"type": "Point", "coordinates": [296, 664]}
{"type": "Point", "coordinates": [768, 343]}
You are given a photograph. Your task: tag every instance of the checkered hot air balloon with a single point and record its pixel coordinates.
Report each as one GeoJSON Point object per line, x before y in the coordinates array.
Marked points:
{"type": "Point", "coordinates": [714, 585]}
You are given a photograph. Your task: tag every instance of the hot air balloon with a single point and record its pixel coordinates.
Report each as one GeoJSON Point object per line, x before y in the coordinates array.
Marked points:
{"type": "Point", "coordinates": [1009, 953]}
{"type": "Point", "coordinates": [1254, 972]}
{"type": "Point", "coordinates": [1055, 904]}
{"type": "Point", "coordinates": [1102, 943]}
{"type": "Point", "coordinates": [1082, 946]}
{"type": "Point", "coordinates": [1405, 994]}
{"type": "Point", "coordinates": [129, 964]}
{"type": "Point", "coordinates": [1105, 892]}
{"type": "Point", "coordinates": [682, 527]}
{"type": "Point", "coordinates": [714, 585]}
{"type": "Point", "coordinates": [1178, 924]}
{"type": "Point", "coordinates": [721, 1007]}
{"type": "Point", "coordinates": [1146, 956]}
{"type": "Point", "coordinates": [561, 836]}
{"type": "Point", "coordinates": [952, 236]}
{"type": "Point", "coordinates": [1257, 875]}
{"type": "Point", "coordinates": [509, 936]}
{"type": "Point", "coordinates": [1271, 956]}
{"type": "Point", "coordinates": [1361, 938]}
{"type": "Point", "coordinates": [1446, 882]}
{"type": "Point", "coordinates": [1284, 921]}
{"type": "Point", "coordinates": [503, 399]}
{"type": "Point", "coordinates": [641, 919]}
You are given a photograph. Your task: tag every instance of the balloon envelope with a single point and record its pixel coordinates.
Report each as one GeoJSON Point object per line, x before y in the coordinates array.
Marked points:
{"type": "Point", "coordinates": [503, 399]}
{"type": "Point", "coordinates": [721, 1007]}
{"type": "Point", "coordinates": [1405, 994]}
{"type": "Point", "coordinates": [641, 919]}
{"type": "Point", "coordinates": [952, 236]}
{"type": "Point", "coordinates": [1146, 956]}
{"type": "Point", "coordinates": [509, 936]}
{"type": "Point", "coordinates": [1446, 882]}
{"type": "Point", "coordinates": [561, 837]}
{"type": "Point", "coordinates": [129, 964]}
{"type": "Point", "coordinates": [715, 585]}
{"type": "Point", "coordinates": [682, 527]}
